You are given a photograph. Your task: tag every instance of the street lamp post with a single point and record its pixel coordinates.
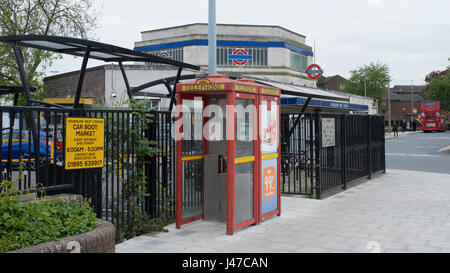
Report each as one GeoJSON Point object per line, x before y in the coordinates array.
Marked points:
{"type": "Point", "coordinates": [365, 88]}
{"type": "Point", "coordinates": [212, 39]}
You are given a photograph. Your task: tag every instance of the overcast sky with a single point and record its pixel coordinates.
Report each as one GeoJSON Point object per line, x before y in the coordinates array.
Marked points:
{"type": "Point", "coordinates": [411, 36]}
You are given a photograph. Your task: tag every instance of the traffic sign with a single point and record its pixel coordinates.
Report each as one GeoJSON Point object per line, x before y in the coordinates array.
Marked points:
{"type": "Point", "coordinates": [240, 56]}
{"type": "Point", "coordinates": [314, 71]}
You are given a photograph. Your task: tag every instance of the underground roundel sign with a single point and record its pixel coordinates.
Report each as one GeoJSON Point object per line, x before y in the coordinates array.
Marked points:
{"type": "Point", "coordinates": [240, 56]}
{"type": "Point", "coordinates": [314, 71]}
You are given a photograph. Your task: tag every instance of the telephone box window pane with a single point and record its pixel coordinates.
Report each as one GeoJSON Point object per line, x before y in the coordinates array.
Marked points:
{"type": "Point", "coordinates": [192, 189]}
{"type": "Point", "coordinates": [244, 192]}
{"type": "Point", "coordinates": [193, 127]}
{"type": "Point", "coordinates": [244, 127]}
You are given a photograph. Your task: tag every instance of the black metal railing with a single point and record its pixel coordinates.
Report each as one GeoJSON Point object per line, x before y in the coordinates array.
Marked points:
{"type": "Point", "coordinates": [298, 155]}
{"type": "Point", "coordinates": [109, 187]}
{"type": "Point", "coordinates": [314, 163]}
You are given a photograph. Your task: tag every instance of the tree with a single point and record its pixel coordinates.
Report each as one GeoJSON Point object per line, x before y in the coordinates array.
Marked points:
{"type": "Point", "coordinates": [73, 18]}
{"type": "Point", "coordinates": [438, 87]}
{"type": "Point", "coordinates": [376, 76]}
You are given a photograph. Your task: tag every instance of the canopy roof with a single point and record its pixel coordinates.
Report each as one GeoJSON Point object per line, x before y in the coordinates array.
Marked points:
{"type": "Point", "coordinates": [99, 51]}
{"type": "Point", "coordinates": [303, 91]}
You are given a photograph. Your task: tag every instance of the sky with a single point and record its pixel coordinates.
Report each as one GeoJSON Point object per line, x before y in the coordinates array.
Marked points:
{"type": "Point", "coordinates": [411, 36]}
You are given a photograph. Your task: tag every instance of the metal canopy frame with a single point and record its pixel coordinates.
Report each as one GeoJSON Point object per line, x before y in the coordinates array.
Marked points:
{"type": "Point", "coordinates": [86, 49]}
{"type": "Point", "coordinates": [82, 48]}
{"type": "Point", "coordinates": [6, 90]}
{"type": "Point", "coordinates": [167, 83]}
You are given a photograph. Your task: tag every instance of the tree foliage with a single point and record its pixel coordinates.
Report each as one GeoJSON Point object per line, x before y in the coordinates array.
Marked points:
{"type": "Point", "coordinates": [72, 18]}
{"type": "Point", "coordinates": [438, 87]}
{"type": "Point", "coordinates": [377, 79]}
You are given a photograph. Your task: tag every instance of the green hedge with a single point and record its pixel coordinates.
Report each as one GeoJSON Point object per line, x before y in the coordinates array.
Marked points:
{"type": "Point", "coordinates": [31, 223]}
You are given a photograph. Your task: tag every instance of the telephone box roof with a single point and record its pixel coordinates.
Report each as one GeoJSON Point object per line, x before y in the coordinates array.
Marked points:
{"type": "Point", "coordinates": [217, 83]}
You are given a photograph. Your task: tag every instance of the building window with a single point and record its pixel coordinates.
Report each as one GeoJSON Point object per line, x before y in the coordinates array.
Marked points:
{"type": "Point", "coordinates": [341, 86]}
{"type": "Point", "coordinates": [175, 54]}
{"type": "Point", "coordinates": [299, 61]}
{"type": "Point", "coordinates": [248, 56]}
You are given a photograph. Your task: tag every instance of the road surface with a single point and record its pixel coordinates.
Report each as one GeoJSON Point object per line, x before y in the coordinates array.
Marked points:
{"type": "Point", "coordinates": [426, 152]}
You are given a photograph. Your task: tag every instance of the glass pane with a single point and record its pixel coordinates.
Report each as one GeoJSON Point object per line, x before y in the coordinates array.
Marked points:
{"type": "Point", "coordinates": [192, 127]}
{"type": "Point", "coordinates": [244, 192]}
{"type": "Point", "coordinates": [244, 127]}
{"type": "Point", "coordinates": [192, 189]}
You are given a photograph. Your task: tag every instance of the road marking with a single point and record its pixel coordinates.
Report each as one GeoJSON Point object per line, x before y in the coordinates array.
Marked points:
{"type": "Point", "coordinates": [445, 149]}
{"type": "Point", "coordinates": [416, 155]}
{"type": "Point", "coordinates": [426, 147]}
{"type": "Point", "coordinates": [428, 138]}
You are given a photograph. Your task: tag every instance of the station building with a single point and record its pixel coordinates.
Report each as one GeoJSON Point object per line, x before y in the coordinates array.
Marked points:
{"type": "Point", "coordinates": [270, 54]}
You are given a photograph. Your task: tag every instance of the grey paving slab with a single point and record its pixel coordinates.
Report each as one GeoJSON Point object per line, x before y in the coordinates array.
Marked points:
{"type": "Point", "coordinates": [401, 211]}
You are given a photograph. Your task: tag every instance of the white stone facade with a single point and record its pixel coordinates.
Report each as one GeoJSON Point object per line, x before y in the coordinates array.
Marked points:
{"type": "Point", "coordinates": [279, 43]}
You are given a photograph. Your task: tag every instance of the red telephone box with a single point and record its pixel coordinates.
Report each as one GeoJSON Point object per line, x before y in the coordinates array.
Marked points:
{"type": "Point", "coordinates": [228, 152]}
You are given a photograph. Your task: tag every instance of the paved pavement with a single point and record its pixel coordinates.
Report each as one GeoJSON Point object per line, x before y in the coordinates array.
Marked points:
{"type": "Point", "coordinates": [401, 211]}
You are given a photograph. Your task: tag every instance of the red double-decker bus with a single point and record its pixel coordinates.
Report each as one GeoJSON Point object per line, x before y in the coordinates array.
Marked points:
{"type": "Point", "coordinates": [432, 117]}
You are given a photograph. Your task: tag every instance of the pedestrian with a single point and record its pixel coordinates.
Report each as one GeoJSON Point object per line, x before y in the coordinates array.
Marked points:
{"type": "Point", "coordinates": [414, 126]}
{"type": "Point", "coordinates": [403, 126]}
{"type": "Point", "coordinates": [395, 128]}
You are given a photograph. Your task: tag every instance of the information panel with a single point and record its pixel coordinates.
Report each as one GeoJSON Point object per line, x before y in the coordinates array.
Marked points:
{"type": "Point", "coordinates": [328, 132]}
{"type": "Point", "coordinates": [85, 143]}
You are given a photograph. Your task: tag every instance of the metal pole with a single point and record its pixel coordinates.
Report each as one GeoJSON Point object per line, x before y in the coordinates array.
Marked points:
{"type": "Point", "coordinates": [412, 96]}
{"type": "Point", "coordinates": [389, 103]}
{"type": "Point", "coordinates": [365, 88]}
{"type": "Point", "coordinates": [81, 77]}
{"type": "Point", "coordinates": [32, 118]}
{"type": "Point", "coordinates": [125, 79]}
{"type": "Point", "coordinates": [212, 38]}
{"type": "Point", "coordinates": [314, 50]}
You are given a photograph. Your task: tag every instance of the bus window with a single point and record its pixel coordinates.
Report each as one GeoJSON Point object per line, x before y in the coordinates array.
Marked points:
{"type": "Point", "coordinates": [429, 104]}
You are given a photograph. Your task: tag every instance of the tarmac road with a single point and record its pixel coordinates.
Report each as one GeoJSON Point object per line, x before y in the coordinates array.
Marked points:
{"type": "Point", "coordinates": [426, 152]}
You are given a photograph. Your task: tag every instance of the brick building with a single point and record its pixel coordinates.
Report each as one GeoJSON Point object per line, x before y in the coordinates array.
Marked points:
{"type": "Point", "coordinates": [64, 85]}
{"type": "Point", "coordinates": [335, 82]}
{"type": "Point", "coordinates": [401, 98]}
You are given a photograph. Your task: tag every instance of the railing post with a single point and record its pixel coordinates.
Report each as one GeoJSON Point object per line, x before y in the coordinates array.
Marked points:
{"type": "Point", "coordinates": [318, 147]}
{"type": "Point", "coordinates": [384, 146]}
{"type": "Point", "coordinates": [150, 174]}
{"type": "Point", "coordinates": [343, 153]}
{"type": "Point", "coordinates": [369, 147]}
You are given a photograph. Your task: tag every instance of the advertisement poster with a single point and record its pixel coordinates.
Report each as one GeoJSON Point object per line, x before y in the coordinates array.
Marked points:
{"type": "Point", "coordinates": [269, 185]}
{"type": "Point", "coordinates": [85, 143]}
{"type": "Point", "coordinates": [269, 127]}
{"type": "Point", "coordinates": [269, 145]}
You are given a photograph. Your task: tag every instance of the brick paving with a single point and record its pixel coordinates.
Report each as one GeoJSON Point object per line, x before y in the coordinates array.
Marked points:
{"type": "Point", "coordinates": [401, 211]}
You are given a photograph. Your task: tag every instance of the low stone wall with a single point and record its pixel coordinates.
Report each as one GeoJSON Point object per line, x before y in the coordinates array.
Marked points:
{"type": "Point", "coordinates": [99, 240]}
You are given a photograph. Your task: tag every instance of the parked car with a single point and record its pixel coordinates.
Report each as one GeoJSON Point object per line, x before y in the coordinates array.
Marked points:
{"type": "Point", "coordinates": [22, 148]}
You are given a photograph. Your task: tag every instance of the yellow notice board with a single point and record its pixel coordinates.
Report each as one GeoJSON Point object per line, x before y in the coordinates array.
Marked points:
{"type": "Point", "coordinates": [85, 143]}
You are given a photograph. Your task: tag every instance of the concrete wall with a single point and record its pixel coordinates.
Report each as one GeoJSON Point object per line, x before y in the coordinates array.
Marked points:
{"type": "Point", "coordinates": [373, 109]}
{"type": "Point", "coordinates": [224, 32]}
{"type": "Point", "coordinates": [197, 55]}
{"type": "Point", "coordinates": [278, 66]}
